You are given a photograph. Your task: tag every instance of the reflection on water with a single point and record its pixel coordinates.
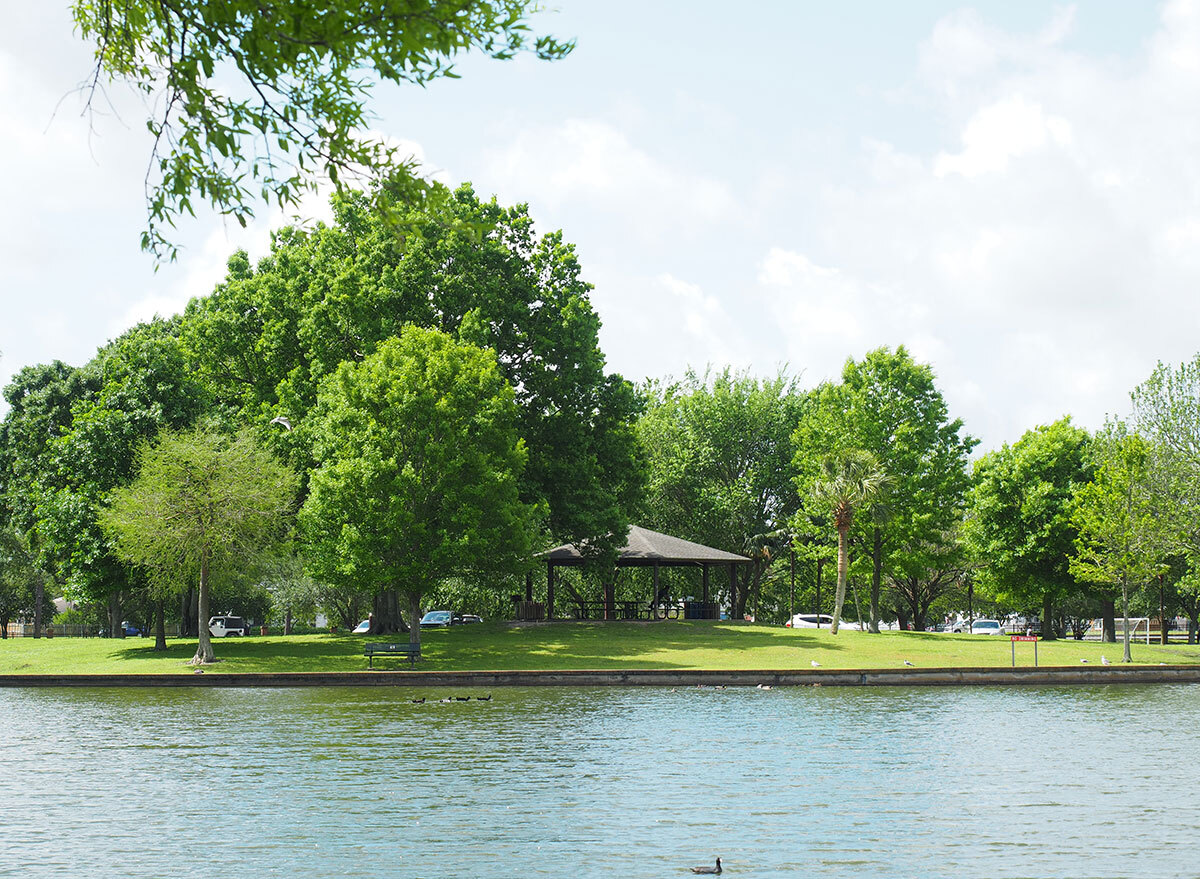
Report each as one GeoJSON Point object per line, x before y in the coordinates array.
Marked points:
{"type": "Point", "coordinates": [600, 782]}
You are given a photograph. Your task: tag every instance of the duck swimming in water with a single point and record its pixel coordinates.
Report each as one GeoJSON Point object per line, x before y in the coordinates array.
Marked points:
{"type": "Point", "coordinates": [709, 871]}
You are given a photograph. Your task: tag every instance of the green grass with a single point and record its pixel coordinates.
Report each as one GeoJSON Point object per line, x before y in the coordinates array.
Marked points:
{"type": "Point", "coordinates": [494, 646]}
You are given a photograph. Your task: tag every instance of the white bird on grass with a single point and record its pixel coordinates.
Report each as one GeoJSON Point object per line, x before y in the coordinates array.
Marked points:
{"type": "Point", "coordinates": [909, 664]}
{"type": "Point", "coordinates": [816, 664]}
{"type": "Point", "coordinates": [1104, 659]}
{"type": "Point", "coordinates": [1083, 660]}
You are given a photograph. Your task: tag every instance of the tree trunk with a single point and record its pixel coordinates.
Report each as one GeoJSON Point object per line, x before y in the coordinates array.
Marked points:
{"type": "Point", "coordinates": [287, 622]}
{"type": "Point", "coordinates": [901, 618]}
{"type": "Point", "coordinates": [387, 612]}
{"type": "Point", "coordinates": [414, 614]}
{"type": "Point", "coordinates": [204, 648]}
{"type": "Point", "coordinates": [1108, 621]}
{"type": "Point", "coordinates": [1125, 613]}
{"type": "Point", "coordinates": [39, 599]}
{"type": "Point", "coordinates": [876, 577]}
{"type": "Point", "coordinates": [187, 614]}
{"type": "Point", "coordinates": [115, 629]}
{"type": "Point", "coordinates": [160, 625]}
{"type": "Point", "coordinates": [843, 568]}
{"type": "Point", "coordinates": [1193, 625]}
{"type": "Point", "coordinates": [1047, 618]}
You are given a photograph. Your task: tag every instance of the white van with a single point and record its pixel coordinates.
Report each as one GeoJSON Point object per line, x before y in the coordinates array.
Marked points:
{"type": "Point", "coordinates": [219, 627]}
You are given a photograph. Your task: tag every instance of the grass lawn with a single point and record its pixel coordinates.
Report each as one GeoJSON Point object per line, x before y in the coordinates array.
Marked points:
{"type": "Point", "coordinates": [491, 646]}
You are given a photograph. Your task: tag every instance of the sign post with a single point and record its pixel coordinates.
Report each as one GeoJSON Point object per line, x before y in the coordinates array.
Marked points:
{"type": "Point", "coordinates": [1015, 638]}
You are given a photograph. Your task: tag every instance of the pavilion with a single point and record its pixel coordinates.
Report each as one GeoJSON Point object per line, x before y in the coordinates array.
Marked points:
{"type": "Point", "coordinates": [643, 549]}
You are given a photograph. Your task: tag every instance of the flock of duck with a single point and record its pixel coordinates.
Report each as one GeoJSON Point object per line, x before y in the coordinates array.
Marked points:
{"type": "Point", "coordinates": [487, 698]}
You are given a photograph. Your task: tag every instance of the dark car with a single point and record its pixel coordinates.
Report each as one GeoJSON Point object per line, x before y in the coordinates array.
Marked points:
{"type": "Point", "coordinates": [436, 619]}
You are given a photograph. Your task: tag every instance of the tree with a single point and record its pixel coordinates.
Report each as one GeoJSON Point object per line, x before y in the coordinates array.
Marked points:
{"type": "Point", "coordinates": [144, 386]}
{"type": "Point", "coordinates": [40, 399]}
{"type": "Point", "coordinates": [22, 582]}
{"type": "Point", "coordinates": [719, 459]}
{"type": "Point", "coordinates": [420, 468]}
{"type": "Point", "coordinates": [202, 505]}
{"type": "Point", "coordinates": [889, 405]}
{"type": "Point", "coordinates": [849, 480]}
{"type": "Point", "coordinates": [247, 93]}
{"type": "Point", "coordinates": [1120, 532]}
{"type": "Point", "coordinates": [269, 335]}
{"type": "Point", "coordinates": [1019, 526]}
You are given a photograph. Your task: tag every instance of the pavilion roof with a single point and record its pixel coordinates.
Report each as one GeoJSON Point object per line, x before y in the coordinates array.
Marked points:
{"type": "Point", "coordinates": [644, 547]}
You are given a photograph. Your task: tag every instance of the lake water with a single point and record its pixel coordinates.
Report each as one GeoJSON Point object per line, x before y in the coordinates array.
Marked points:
{"type": "Point", "coordinates": [601, 782]}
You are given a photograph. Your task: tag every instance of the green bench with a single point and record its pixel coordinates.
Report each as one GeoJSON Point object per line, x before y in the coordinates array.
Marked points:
{"type": "Point", "coordinates": [404, 651]}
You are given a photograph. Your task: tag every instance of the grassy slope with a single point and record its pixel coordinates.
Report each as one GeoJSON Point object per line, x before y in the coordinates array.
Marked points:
{"type": "Point", "coordinates": [687, 645]}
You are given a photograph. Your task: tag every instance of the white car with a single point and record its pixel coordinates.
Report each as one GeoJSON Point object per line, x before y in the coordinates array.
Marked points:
{"type": "Point", "coordinates": [219, 627]}
{"type": "Point", "coordinates": [987, 627]}
{"type": "Point", "coordinates": [810, 621]}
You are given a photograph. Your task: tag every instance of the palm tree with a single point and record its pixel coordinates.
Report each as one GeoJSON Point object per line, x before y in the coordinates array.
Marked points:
{"type": "Point", "coordinates": [849, 480]}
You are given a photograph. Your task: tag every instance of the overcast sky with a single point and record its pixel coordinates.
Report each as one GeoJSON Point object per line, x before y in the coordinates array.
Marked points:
{"type": "Point", "coordinates": [1011, 189]}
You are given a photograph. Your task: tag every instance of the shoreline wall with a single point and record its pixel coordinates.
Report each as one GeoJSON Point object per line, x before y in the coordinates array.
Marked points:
{"type": "Point", "coordinates": [906, 677]}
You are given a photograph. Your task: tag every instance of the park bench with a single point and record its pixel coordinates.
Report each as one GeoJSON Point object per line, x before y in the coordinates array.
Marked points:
{"type": "Point", "coordinates": [404, 651]}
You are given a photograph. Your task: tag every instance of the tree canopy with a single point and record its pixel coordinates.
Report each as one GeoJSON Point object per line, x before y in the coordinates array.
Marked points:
{"type": "Point", "coordinates": [1019, 522]}
{"type": "Point", "coordinates": [202, 503]}
{"type": "Point", "coordinates": [420, 466]}
{"type": "Point", "coordinates": [259, 99]}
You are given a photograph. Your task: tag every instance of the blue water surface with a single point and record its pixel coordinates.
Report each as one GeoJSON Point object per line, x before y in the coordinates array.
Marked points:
{"type": "Point", "coordinates": [989, 782]}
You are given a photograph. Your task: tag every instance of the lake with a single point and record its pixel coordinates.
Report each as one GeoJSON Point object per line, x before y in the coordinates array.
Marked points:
{"type": "Point", "coordinates": [998, 782]}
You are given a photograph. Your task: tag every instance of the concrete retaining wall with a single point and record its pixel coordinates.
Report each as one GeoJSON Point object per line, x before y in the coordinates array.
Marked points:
{"type": "Point", "coordinates": [906, 677]}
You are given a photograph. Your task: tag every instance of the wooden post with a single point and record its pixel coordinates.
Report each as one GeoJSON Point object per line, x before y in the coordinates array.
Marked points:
{"type": "Point", "coordinates": [610, 599]}
{"type": "Point", "coordinates": [704, 568]}
{"type": "Point", "coordinates": [549, 591]}
{"type": "Point", "coordinates": [732, 591]}
{"type": "Point", "coordinates": [529, 585]}
{"type": "Point", "coordinates": [657, 597]}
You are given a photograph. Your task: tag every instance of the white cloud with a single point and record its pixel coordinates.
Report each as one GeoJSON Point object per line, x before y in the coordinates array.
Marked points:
{"type": "Point", "coordinates": [593, 162]}
{"type": "Point", "coordinates": [1007, 129]}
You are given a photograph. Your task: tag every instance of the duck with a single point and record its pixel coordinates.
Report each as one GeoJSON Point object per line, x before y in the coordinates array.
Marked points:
{"type": "Point", "coordinates": [708, 870]}
{"type": "Point", "coordinates": [420, 701]}
{"type": "Point", "coordinates": [487, 698]}
{"type": "Point", "coordinates": [462, 698]}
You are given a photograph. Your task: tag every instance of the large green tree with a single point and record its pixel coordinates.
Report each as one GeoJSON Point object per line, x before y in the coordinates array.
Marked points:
{"type": "Point", "coordinates": [269, 335]}
{"type": "Point", "coordinates": [255, 99]}
{"type": "Point", "coordinates": [889, 405]}
{"type": "Point", "coordinates": [849, 480]}
{"type": "Point", "coordinates": [203, 504]}
{"type": "Point", "coordinates": [1120, 532]}
{"type": "Point", "coordinates": [145, 385]}
{"type": "Point", "coordinates": [1019, 526]}
{"type": "Point", "coordinates": [719, 458]}
{"type": "Point", "coordinates": [420, 467]}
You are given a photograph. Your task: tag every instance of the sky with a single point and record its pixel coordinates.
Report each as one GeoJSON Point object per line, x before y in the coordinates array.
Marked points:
{"type": "Point", "coordinates": [1009, 189]}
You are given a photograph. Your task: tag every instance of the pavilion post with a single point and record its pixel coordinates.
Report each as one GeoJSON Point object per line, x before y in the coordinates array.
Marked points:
{"type": "Point", "coordinates": [549, 591]}
{"type": "Point", "coordinates": [657, 597]}
{"type": "Point", "coordinates": [704, 577]}
{"type": "Point", "coordinates": [733, 590]}
{"type": "Point", "coordinates": [610, 597]}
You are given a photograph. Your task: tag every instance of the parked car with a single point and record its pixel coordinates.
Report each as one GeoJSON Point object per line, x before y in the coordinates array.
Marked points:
{"type": "Point", "coordinates": [219, 627]}
{"type": "Point", "coordinates": [362, 628]}
{"type": "Point", "coordinates": [809, 621]}
{"type": "Point", "coordinates": [470, 618]}
{"type": "Point", "coordinates": [987, 627]}
{"type": "Point", "coordinates": [436, 619]}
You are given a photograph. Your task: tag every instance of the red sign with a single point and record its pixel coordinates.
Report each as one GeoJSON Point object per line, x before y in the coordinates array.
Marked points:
{"type": "Point", "coordinates": [1023, 637]}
